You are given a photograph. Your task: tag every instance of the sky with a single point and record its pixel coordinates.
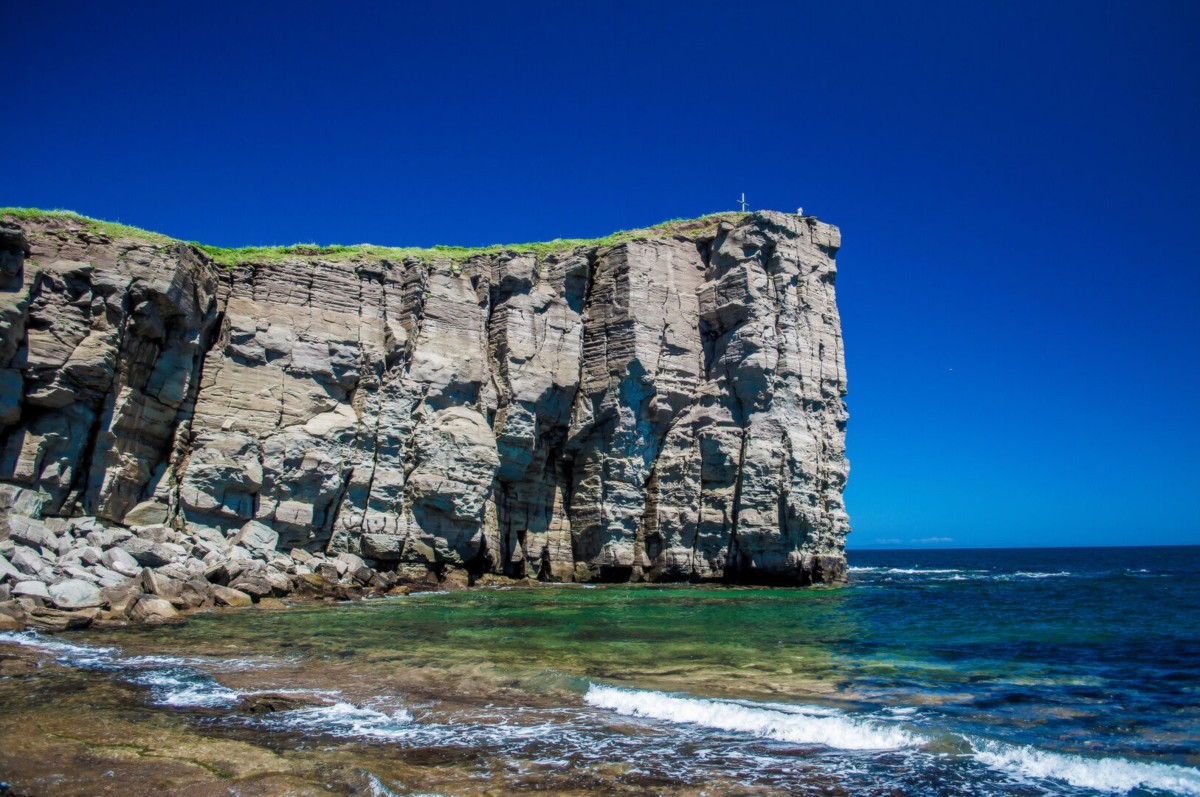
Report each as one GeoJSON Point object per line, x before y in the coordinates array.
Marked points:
{"type": "Point", "coordinates": [1017, 184]}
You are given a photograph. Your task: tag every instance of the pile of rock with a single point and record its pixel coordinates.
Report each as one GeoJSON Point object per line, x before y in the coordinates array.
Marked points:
{"type": "Point", "coordinates": [61, 573]}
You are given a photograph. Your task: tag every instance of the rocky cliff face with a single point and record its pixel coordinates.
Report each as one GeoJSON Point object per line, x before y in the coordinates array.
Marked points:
{"type": "Point", "coordinates": [666, 408]}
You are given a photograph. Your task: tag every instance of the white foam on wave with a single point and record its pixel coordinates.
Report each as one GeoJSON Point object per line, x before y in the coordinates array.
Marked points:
{"type": "Point", "coordinates": [347, 720]}
{"type": "Point", "coordinates": [1112, 775]}
{"type": "Point", "coordinates": [795, 725]}
{"type": "Point", "coordinates": [185, 688]}
{"type": "Point", "coordinates": [912, 571]}
{"type": "Point", "coordinates": [83, 655]}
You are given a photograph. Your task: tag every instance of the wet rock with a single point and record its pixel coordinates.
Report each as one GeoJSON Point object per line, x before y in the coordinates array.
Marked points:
{"type": "Point", "coordinates": [271, 702]}
{"type": "Point", "coordinates": [45, 619]}
{"type": "Point", "coordinates": [9, 623]}
{"type": "Point", "coordinates": [227, 596]}
{"type": "Point", "coordinates": [152, 610]}
{"type": "Point", "coordinates": [455, 581]}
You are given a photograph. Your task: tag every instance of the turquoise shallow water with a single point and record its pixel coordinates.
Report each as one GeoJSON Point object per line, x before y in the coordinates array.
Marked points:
{"type": "Point", "coordinates": [1015, 672]}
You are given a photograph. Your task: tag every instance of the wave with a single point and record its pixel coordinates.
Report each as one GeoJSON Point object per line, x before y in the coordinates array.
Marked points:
{"type": "Point", "coordinates": [346, 720]}
{"type": "Point", "coordinates": [1112, 775]}
{"type": "Point", "coordinates": [795, 725]}
{"type": "Point", "coordinates": [183, 687]}
{"type": "Point", "coordinates": [911, 571]}
{"type": "Point", "coordinates": [955, 574]}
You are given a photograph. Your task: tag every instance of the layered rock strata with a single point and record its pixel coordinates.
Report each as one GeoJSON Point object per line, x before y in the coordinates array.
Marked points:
{"type": "Point", "coordinates": [666, 408]}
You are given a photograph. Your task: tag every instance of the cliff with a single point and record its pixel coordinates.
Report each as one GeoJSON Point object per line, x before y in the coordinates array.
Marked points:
{"type": "Point", "coordinates": [661, 405]}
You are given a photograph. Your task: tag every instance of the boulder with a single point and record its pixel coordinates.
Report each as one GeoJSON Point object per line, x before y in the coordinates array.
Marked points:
{"type": "Point", "coordinates": [75, 594]}
{"type": "Point", "coordinates": [155, 533]}
{"type": "Point", "coordinates": [280, 584]}
{"type": "Point", "coordinates": [86, 525]}
{"type": "Point", "coordinates": [108, 578]}
{"type": "Point", "coordinates": [147, 553]}
{"type": "Point", "coordinates": [31, 589]}
{"type": "Point", "coordinates": [30, 563]}
{"type": "Point", "coordinates": [455, 580]}
{"type": "Point", "coordinates": [151, 609]}
{"type": "Point", "coordinates": [90, 554]}
{"type": "Point", "coordinates": [44, 619]}
{"type": "Point", "coordinates": [227, 596]}
{"type": "Point", "coordinates": [300, 555]}
{"type": "Point", "coordinates": [120, 597]}
{"type": "Point", "coordinates": [30, 532]}
{"type": "Point", "coordinates": [119, 560]}
{"type": "Point", "coordinates": [147, 513]}
{"type": "Point", "coordinates": [196, 593]}
{"type": "Point", "coordinates": [256, 536]}
{"type": "Point", "coordinates": [8, 572]}
{"type": "Point", "coordinates": [102, 538]}
{"type": "Point", "coordinates": [154, 582]}
{"type": "Point", "coordinates": [78, 572]}
{"type": "Point", "coordinates": [252, 585]}
{"type": "Point", "coordinates": [353, 562]}
{"type": "Point", "coordinates": [8, 623]}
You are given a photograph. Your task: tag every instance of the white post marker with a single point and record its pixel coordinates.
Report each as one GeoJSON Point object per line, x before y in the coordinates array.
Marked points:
{"type": "Point", "coordinates": [742, 201]}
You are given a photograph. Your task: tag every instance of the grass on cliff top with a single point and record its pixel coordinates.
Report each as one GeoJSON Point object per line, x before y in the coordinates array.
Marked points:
{"type": "Point", "coordinates": [110, 228]}
{"type": "Point", "coordinates": [230, 257]}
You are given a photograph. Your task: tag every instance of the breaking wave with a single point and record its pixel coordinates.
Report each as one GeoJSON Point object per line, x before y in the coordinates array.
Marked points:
{"type": "Point", "coordinates": [1112, 775]}
{"type": "Point", "coordinates": [795, 724]}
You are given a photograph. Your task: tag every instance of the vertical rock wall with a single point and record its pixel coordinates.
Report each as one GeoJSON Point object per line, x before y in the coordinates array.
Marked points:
{"type": "Point", "coordinates": [668, 408]}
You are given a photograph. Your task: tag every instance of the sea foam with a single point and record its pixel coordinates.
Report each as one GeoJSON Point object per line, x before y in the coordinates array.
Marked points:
{"type": "Point", "coordinates": [1113, 775]}
{"type": "Point", "coordinates": [821, 726]}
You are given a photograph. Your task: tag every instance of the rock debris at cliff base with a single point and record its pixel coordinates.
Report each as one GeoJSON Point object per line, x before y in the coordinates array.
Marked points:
{"type": "Point", "coordinates": [667, 408]}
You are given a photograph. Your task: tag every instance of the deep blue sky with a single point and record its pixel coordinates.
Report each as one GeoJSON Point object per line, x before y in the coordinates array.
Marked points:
{"type": "Point", "coordinates": [1018, 186]}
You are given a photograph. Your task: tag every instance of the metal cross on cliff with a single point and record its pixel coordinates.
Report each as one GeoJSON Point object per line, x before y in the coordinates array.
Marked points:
{"type": "Point", "coordinates": [742, 201]}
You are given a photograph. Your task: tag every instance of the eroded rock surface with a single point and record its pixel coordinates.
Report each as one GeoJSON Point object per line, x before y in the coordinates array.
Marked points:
{"type": "Point", "coordinates": [666, 408]}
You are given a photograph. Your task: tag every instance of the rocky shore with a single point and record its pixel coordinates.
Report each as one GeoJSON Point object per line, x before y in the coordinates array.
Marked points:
{"type": "Point", "coordinates": [58, 574]}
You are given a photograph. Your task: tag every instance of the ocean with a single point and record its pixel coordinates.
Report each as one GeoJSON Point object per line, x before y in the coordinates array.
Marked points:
{"type": "Point", "coordinates": [1071, 671]}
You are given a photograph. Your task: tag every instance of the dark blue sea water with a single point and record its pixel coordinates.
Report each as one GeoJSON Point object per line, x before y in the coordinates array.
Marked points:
{"type": "Point", "coordinates": [969, 672]}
